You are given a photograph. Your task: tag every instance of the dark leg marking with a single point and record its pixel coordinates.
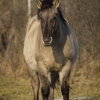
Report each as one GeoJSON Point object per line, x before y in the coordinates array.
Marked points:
{"type": "Point", "coordinates": [65, 90]}
{"type": "Point", "coordinates": [45, 87]}
{"type": "Point", "coordinates": [54, 76]}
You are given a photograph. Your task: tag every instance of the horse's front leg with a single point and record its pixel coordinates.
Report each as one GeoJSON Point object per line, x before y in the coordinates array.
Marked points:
{"type": "Point", "coordinates": [64, 80]}
{"type": "Point", "coordinates": [53, 78]}
{"type": "Point", "coordinates": [44, 81]}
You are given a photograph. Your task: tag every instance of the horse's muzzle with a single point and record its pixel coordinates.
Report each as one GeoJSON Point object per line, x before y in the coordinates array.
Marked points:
{"type": "Point", "coordinates": [47, 41]}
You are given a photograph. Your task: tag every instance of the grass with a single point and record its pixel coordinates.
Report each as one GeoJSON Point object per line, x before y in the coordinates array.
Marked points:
{"type": "Point", "coordinates": [11, 89]}
{"type": "Point", "coordinates": [17, 89]}
{"type": "Point", "coordinates": [87, 89]}
{"type": "Point", "coordinates": [20, 89]}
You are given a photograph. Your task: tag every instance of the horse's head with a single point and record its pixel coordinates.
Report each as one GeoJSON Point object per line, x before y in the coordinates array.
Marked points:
{"type": "Point", "coordinates": [47, 14]}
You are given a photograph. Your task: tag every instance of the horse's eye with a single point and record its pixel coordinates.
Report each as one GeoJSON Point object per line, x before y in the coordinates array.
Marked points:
{"type": "Point", "coordinates": [40, 15]}
{"type": "Point", "coordinates": [53, 22]}
{"type": "Point", "coordinates": [42, 20]}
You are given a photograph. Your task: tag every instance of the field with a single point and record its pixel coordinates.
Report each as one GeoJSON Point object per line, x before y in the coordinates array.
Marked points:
{"type": "Point", "coordinates": [20, 89]}
{"type": "Point", "coordinates": [15, 89]}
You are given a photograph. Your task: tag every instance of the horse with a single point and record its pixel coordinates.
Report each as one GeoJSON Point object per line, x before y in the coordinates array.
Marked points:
{"type": "Point", "coordinates": [50, 50]}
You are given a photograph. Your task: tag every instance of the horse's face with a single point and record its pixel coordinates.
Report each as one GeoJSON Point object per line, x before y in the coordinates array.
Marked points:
{"type": "Point", "coordinates": [48, 20]}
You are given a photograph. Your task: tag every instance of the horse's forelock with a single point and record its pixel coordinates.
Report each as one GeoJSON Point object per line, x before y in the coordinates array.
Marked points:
{"type": "Point", "coordinates": [47, 8]}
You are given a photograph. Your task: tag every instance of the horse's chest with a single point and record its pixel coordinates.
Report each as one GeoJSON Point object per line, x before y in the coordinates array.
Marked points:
{"type": "Point", "coordinates": [52, 65]}
{"type": "Point", "coordinates": [52, 62]}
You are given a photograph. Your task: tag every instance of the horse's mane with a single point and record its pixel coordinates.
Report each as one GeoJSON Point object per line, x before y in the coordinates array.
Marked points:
{"type": "Point", "coordinates": [61, 16]}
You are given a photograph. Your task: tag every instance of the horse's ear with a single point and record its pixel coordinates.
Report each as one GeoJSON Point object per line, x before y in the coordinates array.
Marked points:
{"type": "Point", "coordinates": [56, 3]}
{"type": "Point", "coordinates": [39, 4]}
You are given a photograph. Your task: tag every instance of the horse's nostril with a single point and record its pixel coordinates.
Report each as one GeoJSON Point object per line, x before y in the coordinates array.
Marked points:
{"type": "Point", "coordinates": [46, 39]}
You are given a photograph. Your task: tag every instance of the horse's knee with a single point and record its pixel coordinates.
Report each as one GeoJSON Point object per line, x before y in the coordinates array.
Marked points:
{"type": "Point", "coordinates": [35, 83]}
{"type": "Point", "coordinates": [45, 91]}
{"type": "Point", "coordinates": [45, 86]}
{"type": "Point", "coordinates": [34, 79]}
{"type": "Point", "coordinates": [64, 80]}
{"type": "Point", "coordinates": [65, 88]}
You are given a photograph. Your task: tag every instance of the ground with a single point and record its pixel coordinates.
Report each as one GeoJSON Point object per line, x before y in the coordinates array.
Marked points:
{"type": "Point", "coordinates": [20, 89]}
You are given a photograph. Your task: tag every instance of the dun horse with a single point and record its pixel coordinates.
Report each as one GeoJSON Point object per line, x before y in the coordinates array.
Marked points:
{"type": "Point", "coordinates": [50, 50]}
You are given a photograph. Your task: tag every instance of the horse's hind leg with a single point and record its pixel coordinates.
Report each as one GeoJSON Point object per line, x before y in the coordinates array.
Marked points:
{"type": "Point", "coordinates": [35, 84]}
{"type": "Point", "coordinates": [64, 80]}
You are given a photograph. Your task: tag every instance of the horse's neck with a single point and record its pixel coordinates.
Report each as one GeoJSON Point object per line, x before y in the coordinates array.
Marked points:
{"type": "Point", "coordinates": [61, 32]}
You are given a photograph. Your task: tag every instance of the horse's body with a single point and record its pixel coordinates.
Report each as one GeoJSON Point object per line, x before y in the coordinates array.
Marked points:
{"type": "Point", "coordinates": [53, 61]}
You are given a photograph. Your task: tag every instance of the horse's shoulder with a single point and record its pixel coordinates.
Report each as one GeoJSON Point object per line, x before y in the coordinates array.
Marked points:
{"type": "Point", "coordinates": [31, 22]}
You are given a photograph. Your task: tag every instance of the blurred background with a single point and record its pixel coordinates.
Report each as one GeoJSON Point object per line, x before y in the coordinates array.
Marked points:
{"type": "Point", "coordinates": [84, 18]}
